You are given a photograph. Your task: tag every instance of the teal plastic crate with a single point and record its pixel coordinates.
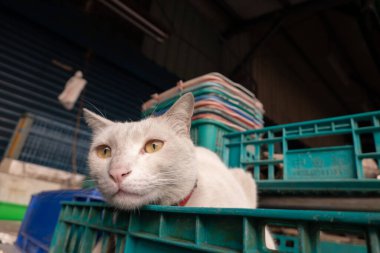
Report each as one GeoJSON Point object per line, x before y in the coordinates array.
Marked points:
{"type": "Point", "coordinates": [185, 229]}
{"type": "Point", "coordinates": [336, 169]}
{"type": "Point", "coordinates": [209, 134]}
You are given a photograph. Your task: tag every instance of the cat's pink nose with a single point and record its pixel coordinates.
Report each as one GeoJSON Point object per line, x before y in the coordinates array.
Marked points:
{"type": "Point", "coordinates": [119, 175]}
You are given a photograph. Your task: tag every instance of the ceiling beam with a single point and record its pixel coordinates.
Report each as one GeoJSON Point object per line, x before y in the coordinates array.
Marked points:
{"type": "Point", "coordinates": [248, 57]}
{"type": "Point", "coordinates": [139, 21]}
{"type": "Point", "coordinates": [228, 10]}
{"type": "Point", "coordinates": [304, 8]}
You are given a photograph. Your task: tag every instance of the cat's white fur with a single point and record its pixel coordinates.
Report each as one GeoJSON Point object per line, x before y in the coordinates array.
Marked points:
{"type": "Point", "coordinates": [167, 176]}
{"type": "Point", "coordinates": [219, 186]}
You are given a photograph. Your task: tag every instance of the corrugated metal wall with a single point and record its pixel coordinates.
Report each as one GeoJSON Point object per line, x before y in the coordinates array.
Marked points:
{"type": "Point", "coordinates": [31, 82]}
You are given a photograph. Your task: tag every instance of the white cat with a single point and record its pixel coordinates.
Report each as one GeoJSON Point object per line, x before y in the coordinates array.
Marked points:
{"type": "Point", "coordinates": [154, 161]}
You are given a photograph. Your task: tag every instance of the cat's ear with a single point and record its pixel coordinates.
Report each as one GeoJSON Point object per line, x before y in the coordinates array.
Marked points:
{"type": "Point", "coordinates": [180, 114]}
{"type": "Point", "coordinates": [94, 121]}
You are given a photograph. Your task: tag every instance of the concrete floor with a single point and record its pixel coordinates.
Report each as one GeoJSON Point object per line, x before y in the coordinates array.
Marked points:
{"type": "Point", "coordinates": [10, 227]}
{"type": "Point", "coordinates": [8, 248]}
{"type": "Point", "coordinates": [8, 233]}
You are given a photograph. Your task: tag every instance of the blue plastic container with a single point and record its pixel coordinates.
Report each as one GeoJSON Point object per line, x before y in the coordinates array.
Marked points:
{"type": "Point", "coordinates": [41, 217]}
{"type": "Point", "coordinates": [88, 195]}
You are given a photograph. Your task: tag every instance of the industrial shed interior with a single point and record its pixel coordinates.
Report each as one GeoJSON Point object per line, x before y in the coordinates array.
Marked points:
{"type": "Point", "coordinates": [270, 49]}
{"type": "Point", "coordinates": [304, 60]}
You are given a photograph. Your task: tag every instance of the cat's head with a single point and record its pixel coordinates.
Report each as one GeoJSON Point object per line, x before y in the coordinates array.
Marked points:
{"type": "Point", "coordinates": [144, 162]}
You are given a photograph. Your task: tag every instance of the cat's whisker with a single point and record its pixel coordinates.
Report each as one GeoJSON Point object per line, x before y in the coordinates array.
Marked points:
{"type": "Point", "coordinates": [158, 179]}
{"type": "Point", "coordinates": [174, 173]}
{"type": "Point", "coordinates": [163, 182]}
{"type": "Point", "coordinates": [155, 108]}
{"type": "Point", "coordinates": [96, 108]}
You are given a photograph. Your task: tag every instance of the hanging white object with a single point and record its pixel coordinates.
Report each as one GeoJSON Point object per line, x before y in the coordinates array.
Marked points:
{"type": "Point", "coordinates": [73, 88]}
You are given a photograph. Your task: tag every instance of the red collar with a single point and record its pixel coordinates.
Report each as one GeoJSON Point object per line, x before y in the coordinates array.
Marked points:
{"type": "Point", "coordinates": [187, 198]}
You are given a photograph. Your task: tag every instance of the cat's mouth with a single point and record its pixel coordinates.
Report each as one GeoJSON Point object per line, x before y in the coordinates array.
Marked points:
{"type": "Point", "coordinates": [122, 192]}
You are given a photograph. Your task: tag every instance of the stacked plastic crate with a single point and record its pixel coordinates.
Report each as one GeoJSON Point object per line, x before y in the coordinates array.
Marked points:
{"type": "Point", "coordinates": [221, 106]}
{"type": "Point", "coordinates": [310, 172]}
{"type": "Point", "coordinates": [337, 170]}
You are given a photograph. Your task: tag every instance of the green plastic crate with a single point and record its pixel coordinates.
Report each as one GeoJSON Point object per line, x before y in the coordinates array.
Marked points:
{"type": "Point", "coordinates": [209, 134]}
{"type": "Point", "coordinates": [186, 229]}
{"type": "Point", "coordinates": [11, 211]}
{"type": "Point", "coordinates": [336, 169]}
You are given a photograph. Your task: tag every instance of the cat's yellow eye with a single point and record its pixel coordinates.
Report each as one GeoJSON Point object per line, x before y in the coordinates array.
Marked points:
{"type": "Point", "coordinates": [153, 146]}
{"type": "Point", "coordinates": [103, 151]}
